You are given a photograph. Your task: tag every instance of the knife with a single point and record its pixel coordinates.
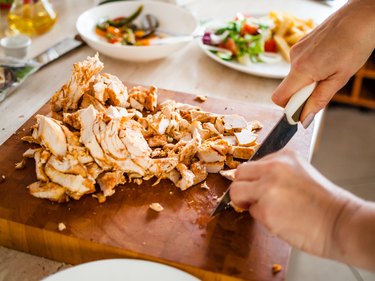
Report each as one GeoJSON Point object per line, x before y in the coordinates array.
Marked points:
{"type": "Point", "coordinates": [279, 136]}
{"type": "Point", "coordinates": [14, 72]}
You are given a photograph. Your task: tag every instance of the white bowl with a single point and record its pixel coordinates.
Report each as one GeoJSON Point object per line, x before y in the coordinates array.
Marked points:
{"type": "Point", "coordinates": [172, 19]}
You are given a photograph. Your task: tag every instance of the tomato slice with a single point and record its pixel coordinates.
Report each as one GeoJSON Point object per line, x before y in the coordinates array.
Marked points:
{"type": "Point", "coordinates": [270, 46]}
{"type": "Point", "coordinates": [230, 45]}
{"type": "Point", "coordinates": [113, 40]}
{"type": "Point", "coordinates": [249, 29]}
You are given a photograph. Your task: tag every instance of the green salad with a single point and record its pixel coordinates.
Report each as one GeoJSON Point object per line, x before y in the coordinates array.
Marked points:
{"type": "Point", "coordinates": [246, 39]}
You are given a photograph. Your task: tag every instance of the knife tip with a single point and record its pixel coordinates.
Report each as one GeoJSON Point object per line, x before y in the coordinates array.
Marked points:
{"type": "Point", "coordinates": [224, 203]}
{"type": "Point", "coordinates": [219, 209]}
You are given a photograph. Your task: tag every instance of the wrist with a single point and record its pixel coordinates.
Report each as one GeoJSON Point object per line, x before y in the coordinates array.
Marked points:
{"type": "Point", "coordinates": [347, 209]}
{"type": "Point", "coordinates": [353, 234]}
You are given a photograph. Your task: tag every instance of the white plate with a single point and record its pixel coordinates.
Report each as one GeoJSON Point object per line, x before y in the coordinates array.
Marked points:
{"type": "Point", "coordinates": [270, 70]}
{"type": "Point", "coordinates": [172, 18]}
{"type": "Point", "coordinates": [121, 269]}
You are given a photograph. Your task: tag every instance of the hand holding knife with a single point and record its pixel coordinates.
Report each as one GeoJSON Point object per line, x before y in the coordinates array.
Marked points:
{"type": "Point", "coordinates": [279, 136]}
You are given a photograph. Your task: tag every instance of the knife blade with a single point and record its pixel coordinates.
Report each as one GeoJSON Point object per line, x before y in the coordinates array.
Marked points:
{"type": "Point", "coordinates": [17, 71]}
{"type": "Point", "coordinates": [278, 137]}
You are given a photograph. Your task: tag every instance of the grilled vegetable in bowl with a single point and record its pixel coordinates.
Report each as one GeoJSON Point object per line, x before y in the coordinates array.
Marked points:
{"type": "Point", "coordinates": [126, 28]}
{"type": "Point", "coordinates": [122, 30]}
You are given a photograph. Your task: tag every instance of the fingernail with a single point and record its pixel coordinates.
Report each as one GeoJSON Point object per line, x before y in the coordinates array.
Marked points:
{"type": "Point", "coordinates": [308, 120]}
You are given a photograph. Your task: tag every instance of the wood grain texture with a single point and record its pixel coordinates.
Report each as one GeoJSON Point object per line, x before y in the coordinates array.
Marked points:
{"type": "Point", "coordinates": [231, 246]}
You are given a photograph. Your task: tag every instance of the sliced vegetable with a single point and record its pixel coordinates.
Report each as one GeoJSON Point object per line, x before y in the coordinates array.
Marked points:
{"type": "Point", "coordinates": [135, 15]}
{"type": "Point", "coordinates": [122, 30]}
{"type": "Point", "coordinates": [270, 46]}
{"type": "Point", "coordinates": [207, 38]}
{"type": "Point", "coordinates": [230, 45]}
{"type": "Point", "coordinates": [218, 39]}
{"type": "Point", "coordinates": [224, 55]}
{"type": "Point", "coordinates": [217, 49]}
{"type": "Point", "coordinates": [121, 21]}
{"type": "Point", "coordinates": [249, 29]}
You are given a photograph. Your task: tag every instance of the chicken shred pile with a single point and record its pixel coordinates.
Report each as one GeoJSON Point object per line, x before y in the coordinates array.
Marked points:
{"type": "Point", "coordinates": [101, 135]}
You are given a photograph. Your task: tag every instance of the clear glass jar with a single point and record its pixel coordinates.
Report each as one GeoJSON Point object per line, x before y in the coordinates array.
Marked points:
{"type": "Point", "coordinates": [31, 17]}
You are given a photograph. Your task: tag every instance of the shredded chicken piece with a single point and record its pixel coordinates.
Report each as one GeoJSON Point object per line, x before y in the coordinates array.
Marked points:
{"type": "Point", "coordinates": [158, 140]}
{"type": "Point", "coordinates": [50, 135]}
{"type": "Point", "coordinates": [68, 96]}
{"type": "Point", "coordinates": [141, 98]}
{"type": "Point", "coordinates": [41, 157]}
{"type": "Point", "coordinates": [20, 165]}
{"type": "Point", "coordinates": [205, 186]}
{"type": "Point", "coordinates": [201, 98]}
{"type": "Point", "coordinates": [208, 154]}
{"type": "Point", "coordinates": [276, 268]}
{"type": "Point", "coordinates": [245, 137]}
{"type": "Point", "coordinates": [214, 167]}
{"type": "Point", "coordinates": [187, 177]}
{"type": "Point", "coordinates": [233, 122]}
{"type": "Point", "coordinates": [211, 128]}
{"type": "Point", "coordinates": [254, 125]}
{"type": "Point", "coordinates": [88, 100]}
{"type": "Point", "coordinates": [200, 172]}
{"type": "Point", "coordinates": [243, 152]}
{"type": "Point", "coordinates": [61, 226]}
{"type": "Point", "coordinates": [101, 198]}
{"type": "Point", "coordinates": [231, 163]}
{"type": "Point", "coordinates": [30, 152]}
{"type": "Point", "coordinates": [188, 151]}
{"type": "Point", "coordinates": [49, 190]}
{"type": "Point", "coordinates": [156, 207]}
{"type": "Point", "coordinates": [162, 165]}
{"type": "Point", "coordinates": [197, 128]}
{"type": "Point", "coordinates": [102, 134]}
{"type": "Point", "coordinates": [30, 139]}
{"type": "Point", "coordinates": [108, 181]}
{"type": "Point", "coordinates": [72, 119]}
{"type": "Point", "coordinates": [203, 116]}
{"type": "Point", "coordinates": [174, 176]}
{"type": "Point", "coordinates": [229, 174]}
{"type": "Point", "coordinates": [76, 185]}
{"type": "Point", "coordinates": [107, 88]}
{"type": "Point", "coordinates": [87, 118]}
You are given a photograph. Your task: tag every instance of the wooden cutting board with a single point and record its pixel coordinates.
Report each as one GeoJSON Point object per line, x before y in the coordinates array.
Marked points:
{"type": "Point", "coordinates": [231, 246]}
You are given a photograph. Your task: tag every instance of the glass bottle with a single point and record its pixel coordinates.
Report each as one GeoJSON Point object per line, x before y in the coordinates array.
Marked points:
{"type": "Point", "coordinates": [31, 17]}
